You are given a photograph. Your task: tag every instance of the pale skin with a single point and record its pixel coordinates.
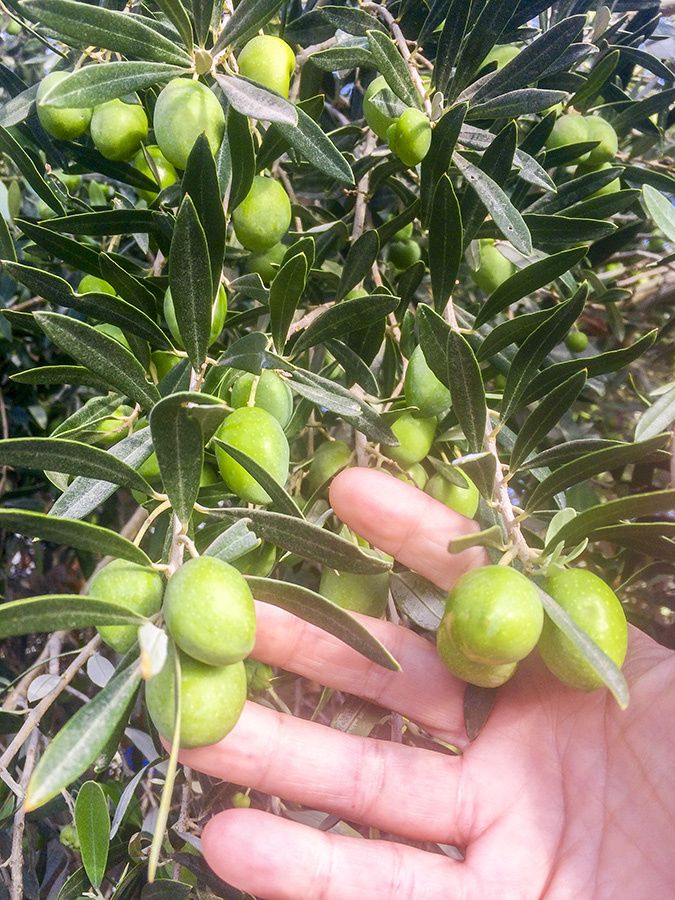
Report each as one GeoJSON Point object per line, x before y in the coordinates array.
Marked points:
{"type": "Point", "coordinates": [561, 795]}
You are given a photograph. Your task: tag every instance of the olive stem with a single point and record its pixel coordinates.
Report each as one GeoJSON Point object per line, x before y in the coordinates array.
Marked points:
{"type": "Point", "coordinates": [16, 856]}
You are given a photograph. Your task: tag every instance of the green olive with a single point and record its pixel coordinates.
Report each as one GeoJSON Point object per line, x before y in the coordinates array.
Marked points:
{"type": "Point", "coordinates": [472, 672]}
{"type": "Point", "coordinates": [494, 615]}
{"type": "Point", "coordinates": [271, 393]}
{"type": "Point", "coordinates": [118, 129]}
{"type": "Point", "coordinates": [113, 428]}
{"type": "Point", "coordinates": [259, 562]}
{"type": "Point", "coordinates": [596, 609]}
{"type": "Point", "coordinates": [366, 594]}
{"type": "Point", "coordinates": [576, 341]}
{"type": "Point", "coordinates": [378, 121]}
{"type": "Point", "coordinates": [494, 267]}
{"type": "Point", "coordinates": [185, 109]}
{"type": "Point", "coordinates": [63, 123]}
{"type": "Point", "coordinates": [164, 361]}
{"type": "Point", "coordinates": [257, 434]}
{"type": "Point", "coordinates": [422, 388]}
{"type": "Point", "coordinates": [212, 699]}
{"type": "Point", "coordinates": [328, 459]}
{"type": "Point", "coordinates": [218, 315]}
{"type": "Point", "coordinates": [209, 611]}
{"type": "Point", "coordinates": [91, 284]}
{"type": "Point", "coordinates": [267, 264]}
{"type": "Point", "coordinates": [268, 60]}
{"type": "Point", "coordinates": [415, 436]}
{"type": "Point", "coordinates": [165, 170]}
{"type": "Point", "coordinates": [569, 129]}
{"type": "Point", "coordinates": [415, 475]}
{"type": "Point", "coordinates": [403, 254]}
{"type": "Point", "coordinates": [462, 500]}
{"type": "Point", "coordinates": [410, 136]}
{"type": "Point", "coordinates": [611, 188]}
{"type": "Point", "coordinates": [128, 584]}
{"type": "Point", "coordinates": [264, 215]}
{"type": "Point", "coordinates": [598, 129]}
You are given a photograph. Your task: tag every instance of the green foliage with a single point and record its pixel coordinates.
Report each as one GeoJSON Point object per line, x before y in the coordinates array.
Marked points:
{"type": "Point", "coordinates": [384, 228]}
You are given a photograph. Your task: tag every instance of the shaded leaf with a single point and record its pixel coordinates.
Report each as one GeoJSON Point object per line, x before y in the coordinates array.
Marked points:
{"type": "Point", "coordinates": [11, 147]}
{"type": "Point", "coordinates": [62, 611]}
{"type": "Point", "coordinates": [418, 599]}
{"type": "Point", "coordinates": [391, 64]}
{"type": "Point", "coordinates": [252, 100]}
{"type": "Point", "coordinates": [445, 242]}
{"type": "Point", "coordinates": [359, 261]}
{"type": "Point", "coordinates": [280, 498]}
{"type": "Point", "coordinates": [247, 19]}
{"type": "Point", "coordinates": [285, 293]}
{"type": "Point", "coordinates": [96, 84]}
{"type": "Point", "coordinates": [92, 821]}
{"type": "Point", "coordinates": [346, 318]}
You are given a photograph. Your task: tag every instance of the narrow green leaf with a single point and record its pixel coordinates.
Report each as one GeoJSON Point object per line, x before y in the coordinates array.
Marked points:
{"type": "Point", "coordinates": [202, 13]}
{"type": "Point", "coordinates": [285, 293]}
{"type": "Point", "coordinates": [542, 419]}
{"type": "Point", "coordinates": [391, 64]}
{"type": "Point", "coordinates": [557, 456]}
{"type": "Point", "coordinates": [356, 371]}
{"type": "Point", "coordinates": [190, 281]}
{"type": "Point", "coordinates": [574, 191]}
{"type": "Point", "coordinates": [593, 655]}
{"type": "Point", "coordinates": [418, 599]}
{"type": "Point", "coordinates": [280, 498]}
{"type": "Point", "coordinates": [306, 540]}
{"type": "Point", "coordinates": [18, 108]}
{"type": "Point", "coordinates": [451, 359]}
{"type": "Point", "coordinates": [353, 21]}
{"type": "Point", "coordinates": [659, 417]}
{"type": "Point", "coordinates": [660, 209]}
{"type": "Point", "coordinates": [505, 216]}
{"type": "Point", "coordinates": [516, 103]}
{"type": "Point", "coordinates": [71, 458]}
{"type": "Point", "coordinates": [241, 156]}
{"type": "Point", "coordinates": [11, 147]}
{"type": "Point", "coordinates": [324, 614]}
{"type": "Point", "coordinates": [80, 741]}
{"type": "Point", "coordinates": [177, 15]}
{"type": "Point", "coordinates": [72, 252]}
{"type": "Point", "coordinates": [550, 232]}
{"type": "Point", "coordinates": [536, 347]}
{"type": "Point", "coordinates": [346, 318]}
{"type": "Point", "coordinates": [83, 25]}
{"type": "Point", "coordinates": [484, 31]}
{"type": "Point", "coordinates": [311, 143]}
{"type": "Point", "coordinates": [96, 84]}
{"type": "Point", "coordinates": [67, 611]}
{"type": "Point", "coordinates": [92, 821]}
{"type": "Point", "coordinates": [613, 511]}
{"type": "Point", "coordinates": [359, 261]}
{"type": "Point", "coordinates": [344, 56]}
{"type": "Point", "coordinates": [114, 221]}
{"type": "Point", "coordinates": [233, 542]}
{"type": "Point", "coordinates": [583, 467]}
{"type": "Point", "coordinates": [132, 289]}
{"type": "Point", "coordinates": [103, 355]}
{"type": "Point", "coordinates": [248, 18]}
{"type": "Point", "coordinates": [640, 110]}
{"type": "Point", "coordinates": [72, 533]}
{"type": "Point", "coordinates": [528, 280]}
{"type": "Point", "coordinates": [84, 495]}
{"type": "Point", "coordinates": [59, 375]}
{"type": "Point", "coordinates": [437, 161]}
{"type": "Point", "coordinates": [255, 101]}
{"type": "Point", "coordinates": [449, 42]}
{"type": "Point", "coordinates": [200, 182]}
{"type": "Point", "coordinates": [7, 248]}
{"type": "Point", "coordinates": [445, 242]}
{"type": "Point", "coordinates": [510, 331]}
{"type": "Point", "coordinates": [654, 539]}
{"type": "Point", "coordinates": [599, 75]}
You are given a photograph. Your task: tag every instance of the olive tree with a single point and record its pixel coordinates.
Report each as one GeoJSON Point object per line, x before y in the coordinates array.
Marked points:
{"type": "Point", "coordinates": [252, 246]}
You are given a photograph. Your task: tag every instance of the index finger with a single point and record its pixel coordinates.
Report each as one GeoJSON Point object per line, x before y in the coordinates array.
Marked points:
{"type": "Point", "coordinates": [406, 523]}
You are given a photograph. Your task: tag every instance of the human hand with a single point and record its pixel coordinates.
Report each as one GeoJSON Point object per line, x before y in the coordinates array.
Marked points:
{"type": "Point", "coordinates": [561, 795]}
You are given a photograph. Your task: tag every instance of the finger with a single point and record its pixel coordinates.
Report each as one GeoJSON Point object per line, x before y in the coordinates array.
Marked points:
{"type": "Point", "coordinates": [380, 783]}
{"type": "Point", "coordinates": [271, 857]}
{"type": "Point", "coordinates": [423, 690]}
{"type": "Point", "coordinates": [405, 522]}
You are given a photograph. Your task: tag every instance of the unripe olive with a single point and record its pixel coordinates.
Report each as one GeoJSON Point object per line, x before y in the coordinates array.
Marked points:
{"type": "Point", "coordinates": [404, 254]}
{"type": "Point", "coordinates": [267, 264]}
{"type": "Point", "coordinates": [268, 60]}
{"type": "Point", "coordinates": [366, 594]}
{"type": "Point", "coordinates": [611, 188]}
{"type": "Point", "coordinates": [596, 609]}
{"type": "Point", "coordinates": [185, 109]}
{"type": "Point", "coordinates": [415, 436]}
{"type": "Point", "coordinates": [405, 233]}
{"type": "Point", "coordinates": [257, 434]}
{"type": "Point", "coordinates": [259, 676]}
{"type": "Point", "coordinates": [133, 586]}
{"type": "Point", "coordinates": [91, 284]}
{"type": "Point", "coordinates": [599, 129]}
{"type": "Point", "coordinates": [272, 393]}
{"type": "Point", "coordinates": [166, 172]}
{"type": "Point", "coordinates": [118, 129]}
{"type": "Point", "coordinates": [264, 215]}
{"type": "Point", "coordinates": [568, 129]}
{"type": "Point", "coordinates": [66, 123]}
{"type": "Point", "coordinates": [113, 428]}
{"type": "Point", "coordinates": [576, 341]}
{"type": "Point", "coordinates": [13, 27]}
{"type": "Point", "coordinates": [68, 837]}
{"type": "Point", "coordinates": [494, 615]}
{"type": "Point", "coordinates": [410, 136]}
{"type": "Point", "coordinates": [494, 267]}
{"type": "Point", "coordinates": [212, 699]}
{"type": "Point", "coordinates": [378, 121]}
{"type": "Point", "coordinates": [502, 54]}
{"type": "Point", "coordinates": [164, 361]}
{"type": "Point", "coordinates": [209, 611]}
{"type": "Point", "coordinates": [462, 500]}
{"type": "Point", "coordinates": [240, 800]}
{"type": "Point", "coordinates": [218, 315]}
{"type": "Point", "coordinates": [471, 672]}
{"type": "Point", "coordinates": [327, 461]}
{"type": "Point", "coordinates": [416, 475]}
{"type": "Point", "coordinates": [422, 388]}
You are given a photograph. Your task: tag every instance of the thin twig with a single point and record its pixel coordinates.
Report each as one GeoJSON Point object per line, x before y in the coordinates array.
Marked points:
{"type": "Point", "coordinates": [16, 858]}
{"type": "Point", "coordinates": [362, 190]}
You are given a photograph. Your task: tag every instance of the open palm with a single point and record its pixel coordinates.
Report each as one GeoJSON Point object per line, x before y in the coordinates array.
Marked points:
{"type": "Point", "coordinates": [561, 796]}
